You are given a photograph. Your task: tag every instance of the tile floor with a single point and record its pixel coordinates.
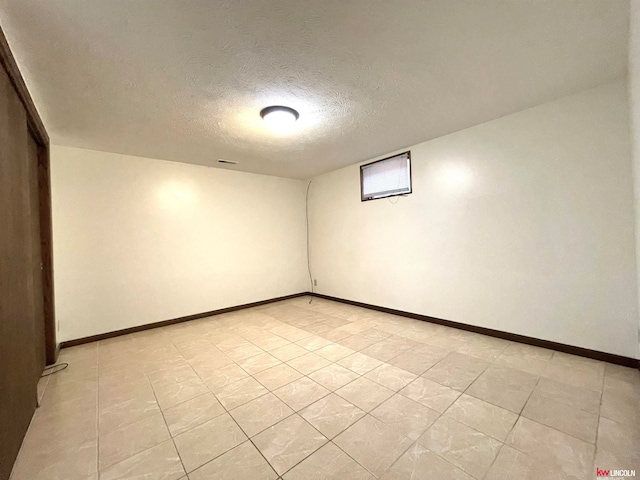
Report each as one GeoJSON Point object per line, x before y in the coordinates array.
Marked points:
{"type": "Point", "coordinates": [294, 390]}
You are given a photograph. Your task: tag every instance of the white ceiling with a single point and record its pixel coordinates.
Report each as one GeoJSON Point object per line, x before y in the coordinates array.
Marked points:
{"type": "Point", "coordinates": [184, 80]}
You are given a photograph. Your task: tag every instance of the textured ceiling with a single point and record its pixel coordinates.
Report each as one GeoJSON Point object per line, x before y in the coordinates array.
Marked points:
{"type": "Point", "coordinates": [185, 80]}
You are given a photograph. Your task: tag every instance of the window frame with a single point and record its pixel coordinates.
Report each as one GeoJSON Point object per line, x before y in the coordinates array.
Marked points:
{"type": "Point", "coordinates": [366, 199]}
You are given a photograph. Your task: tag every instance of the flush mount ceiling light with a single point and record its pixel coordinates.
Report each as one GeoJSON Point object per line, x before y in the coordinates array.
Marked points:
{"type": "Point", "coordinates": [279, 118]}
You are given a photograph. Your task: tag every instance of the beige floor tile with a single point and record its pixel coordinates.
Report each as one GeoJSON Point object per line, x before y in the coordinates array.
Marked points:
{"type": "Point", "coordinates": [278, 376]}
{"type": "Point", "coordinates": [357, 326]}
{"type": "Point", "coordinates": [621, 401]}
{"type": "Point", "coordinates": [484, 417]}
{"type": "Point", "coordinates": [450, 376]}
{"type": "Point", "coordinates": [154, 365]}
{"type": "Point", "coordinates": [561, 451]}
{"type": "Point", "coordinates": [409, 418]}
{"type": "Point", "coordinates": [373, 444]}
{"type": "Point", "coordinates": [577, 362]}
{"type": "Point", "coordinates": [71, 424]}
{"type": "Point", "coordinates": [239, 393]}
{"type": "Point", "coordinates": [42, 459]}
{"type": "Point", "coordinates": [207, 441]}
{"type": "Point", "coordinates": [334, 352]}
{"type": "Point", "coordinates": [333, 376]}
{"type": "Point", "coordinates": [308, 363]}
{"type": "Point", "coordinates": [380, 351]}
{"type": "Point", "coordinates": [511, 376]}
{"type": "Point", "coordinates": [217, 379]}
{"type": "Point", "coordinates": [292, 334]}
{"type": "Point", "coordinates": [469, 449]}
{"type": "Point", "coordinates": [192, 413]}
{"type": "Point", "coordinates": [356, 342]}
{"type": "Point", "coordinates": [335, 335]}
{"type": "Point", "coordinates": [271, 342]}
{"type": "Point", "coordinates": [621, 439]}
{"type": "Point", "coordinates": [131, 439]}
{"type": "Point", "coordinates": [414, 363]}
{"type": "Point", "coordinates": [301, 393]}
{"type": "Point", "coordinates": [68, 391]}
{"type": "Point", "coordinates": [618, 372]}
{"type": "Point", "coordinates": [582, 398]}
{"type": "Point", "coordinates": [375, 334]}
{"type": "Point", "coordinates": [484, 348]}
{"type": "Point", "coordinates": [511, 463]}
{"type": "Point", "coordinates": [364, 393]}
{"type": "Point", "coordinates": [335, 322]}
{"type": "Point", "coordinates": [317, 328]}
{"type": "Point", "coordinates": [158, 463]}
{"type": "Point", "coordinates": [289, 352]}
{"type": "Point", "coordinates": [563, 417]}
{"type": "Point", "coordinates": [331, 415]}
{"type": "Point", "coordinates": [619, 460]}
{"type": "Point", "coordinates": [228, 342]}
{"type": "Point", "coordinates": [328, 462]}
{"type": "Point", "coordinates": [76, 372]}
{"type": "Point", "coordinates": [244, 352]}
{"type": "Point", "coordinates": [430, 394]}
{"type": "Point", "coordinates": [175, 374]}
{"type": "Point", "coordinates": [359, 363]}
{"type": "Point", "coordinates": [206, 364]}
{"type": "Point", "coordinates": [243, 462]}
{"type": "Point", "coordinates": [465, 362]}
{"type": "Point", "coordinates": [500, 394]}
{"type": "Point", "coordinates": [528, 351]}
{"type": "Point", "coordinates": [314, 342]}
{"type": "Point", "coordinates": [108, 387]}
{"type": "Point", "coordinates": [392, 377]}
{"type": "Point", "coordinates": [261, 413]}
{"type": "Point", "coordinates": [257, 364]}
{"type": "Point", "coordinates": [527, 364]}
{"type": "Point", "coordinates": [419, 462]}
{"type": "Point", "coordinates": [288, 443]}
{"type": "Point", "coordinates": [112, 394]}
{"type": "Point", "coordinates": [171, 394]}
{"type": "Point", "coordinates": [573, 375]}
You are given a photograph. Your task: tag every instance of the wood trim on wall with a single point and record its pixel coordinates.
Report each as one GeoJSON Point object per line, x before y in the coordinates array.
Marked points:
{"type": "Point", "coordinates": [559, 347]}
{"type": "Point", "coordinates": [39, 134]}
{"type": "Point", "coordinates": [164, 323]}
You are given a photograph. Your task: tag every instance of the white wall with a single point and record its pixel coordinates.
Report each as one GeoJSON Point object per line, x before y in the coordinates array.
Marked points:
{"type": "Point", "coordinates": [634, 102]}
{"type": "Point", "coordinates": [138, 240]}
{"type": "Point", "coordinates": [524, 224]}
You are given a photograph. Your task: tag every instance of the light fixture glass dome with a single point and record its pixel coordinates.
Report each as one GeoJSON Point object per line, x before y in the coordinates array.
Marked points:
{"type": "Point", "coordinates": [279, 118]}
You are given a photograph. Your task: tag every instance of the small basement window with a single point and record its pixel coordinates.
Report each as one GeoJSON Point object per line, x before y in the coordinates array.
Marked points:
{"type": "Point", "coordinates": [386, 178]}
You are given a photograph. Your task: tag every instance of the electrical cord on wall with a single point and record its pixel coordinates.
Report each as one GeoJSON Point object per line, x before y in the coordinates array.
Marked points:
{"type": "Point", "coordinates": [53, 369]}
{"type": "Point", "coordinates": [306, 208]}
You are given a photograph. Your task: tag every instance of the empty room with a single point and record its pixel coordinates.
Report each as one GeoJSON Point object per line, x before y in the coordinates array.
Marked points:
{"type": "Point", "coordinates": [319, 239]}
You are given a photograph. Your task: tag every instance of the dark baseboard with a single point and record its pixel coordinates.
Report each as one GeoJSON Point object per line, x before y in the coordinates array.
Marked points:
{"type": "Point", "coordinates": [164, 323]}
{"type": "Point", "coordinates": [560, 347]}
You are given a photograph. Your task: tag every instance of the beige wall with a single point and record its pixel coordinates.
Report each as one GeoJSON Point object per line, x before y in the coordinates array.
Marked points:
{"type": "Point", "coordinates": [524, 224]}
{"type": "Point", "coordinates": [138, 240]}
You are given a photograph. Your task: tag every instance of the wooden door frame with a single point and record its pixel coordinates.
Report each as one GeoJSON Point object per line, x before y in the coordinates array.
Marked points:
{"type": "Point", "coordinates": [39, 134]}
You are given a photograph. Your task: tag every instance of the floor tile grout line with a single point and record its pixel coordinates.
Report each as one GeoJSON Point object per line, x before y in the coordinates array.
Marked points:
{"type": "Point", "coordinates": [175, 446]}
{"type": "Point", "coordinates": [347, 453]}
{"type": "Point", "coordinates": [235, 421]}
{"type": "Point", "coordinates": [294, 413]}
